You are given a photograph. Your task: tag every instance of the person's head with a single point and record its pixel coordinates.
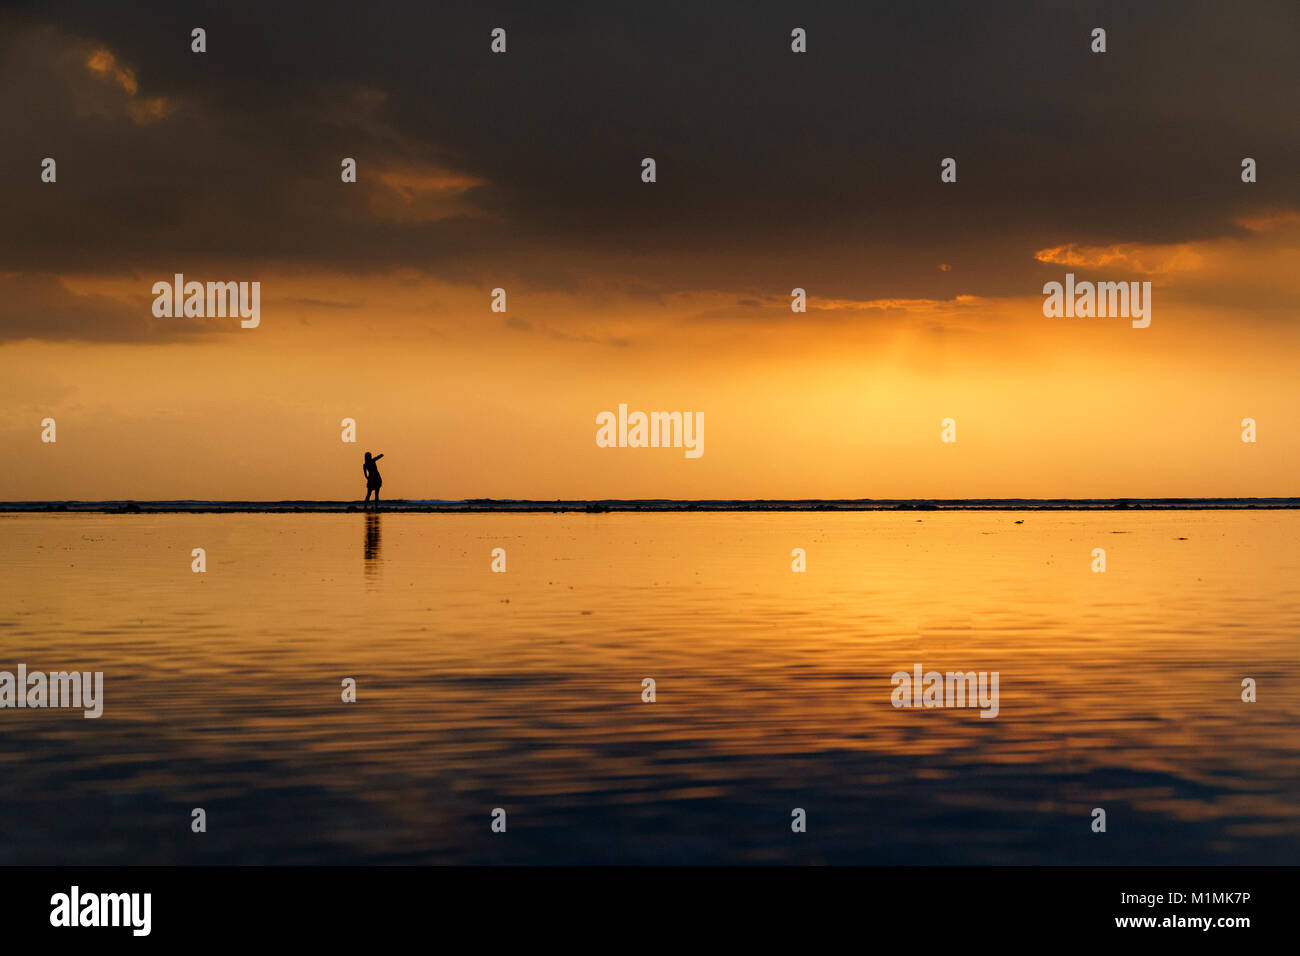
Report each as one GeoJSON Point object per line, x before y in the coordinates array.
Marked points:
{"type": "Point", "coordinates": [367, 456]}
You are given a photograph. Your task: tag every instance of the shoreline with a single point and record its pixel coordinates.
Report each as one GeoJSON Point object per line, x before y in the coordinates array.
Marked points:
{"type": "Point", "coordinates": [609, 505]}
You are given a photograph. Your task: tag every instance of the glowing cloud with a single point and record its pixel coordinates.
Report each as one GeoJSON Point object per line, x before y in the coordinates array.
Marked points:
{"type": "Point", "coordinates": [142, 111]}
{"type": "Point", "coordinates": [1148, 260]}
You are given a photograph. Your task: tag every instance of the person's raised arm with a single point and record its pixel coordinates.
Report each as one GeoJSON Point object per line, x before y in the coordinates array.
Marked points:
{"type": "Point", "coordinates": [377, 457]}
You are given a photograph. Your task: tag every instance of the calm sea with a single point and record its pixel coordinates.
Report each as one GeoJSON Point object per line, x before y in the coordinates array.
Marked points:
{"type": "Point", "coordinates": [523, 690]}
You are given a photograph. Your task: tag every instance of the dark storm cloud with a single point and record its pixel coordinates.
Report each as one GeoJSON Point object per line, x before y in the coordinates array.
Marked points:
{"type": "Point", "coordinates": [772, 166]}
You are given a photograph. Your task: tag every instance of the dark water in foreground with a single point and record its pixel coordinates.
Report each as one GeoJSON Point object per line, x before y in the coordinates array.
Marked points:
{"type": "Point", "coordinates": [522, 690]}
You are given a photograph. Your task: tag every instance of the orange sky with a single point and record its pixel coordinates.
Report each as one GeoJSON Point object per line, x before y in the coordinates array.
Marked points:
{"type": "Point", "coordinates": [843, 401]}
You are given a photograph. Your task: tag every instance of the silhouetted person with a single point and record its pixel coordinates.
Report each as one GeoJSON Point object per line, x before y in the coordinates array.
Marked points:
{"type": "Point", "coordinates": [373, 481]}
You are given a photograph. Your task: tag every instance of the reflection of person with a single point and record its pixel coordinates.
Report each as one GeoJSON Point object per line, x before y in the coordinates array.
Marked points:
{"type": "Point", "coordinates": [372, 540]}
{"type": "Point", "coordinates": [373, 481]}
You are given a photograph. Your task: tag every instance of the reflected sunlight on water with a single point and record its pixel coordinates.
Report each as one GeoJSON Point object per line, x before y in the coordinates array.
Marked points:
{"type": "Point", "coordinates": [523, 690]}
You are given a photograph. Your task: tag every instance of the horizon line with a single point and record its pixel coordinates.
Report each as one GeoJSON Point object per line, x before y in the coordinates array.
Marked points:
{"type": "Point", "coordinates": [601, 505]}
